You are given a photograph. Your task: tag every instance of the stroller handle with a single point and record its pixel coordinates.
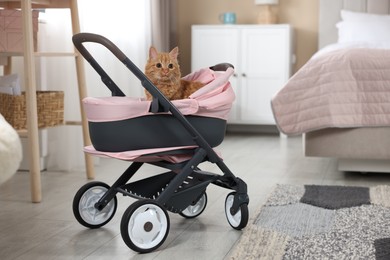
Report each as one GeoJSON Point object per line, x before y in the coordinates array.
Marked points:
{"type": "Point", "coordinates": [80, 38]}
{"type": "Point", "coordinates": [160, 102]}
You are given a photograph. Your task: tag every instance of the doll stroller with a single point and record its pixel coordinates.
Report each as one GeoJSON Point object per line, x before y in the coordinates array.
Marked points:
{"type": "Point", "coordinates": [175, 135]}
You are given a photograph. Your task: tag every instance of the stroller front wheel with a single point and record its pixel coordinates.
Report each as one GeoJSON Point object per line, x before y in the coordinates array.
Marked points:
{"type": "Point", "coordinates": [144, 226]}
{"type": "Point", "coordinates": [84, 208]}
{"type": "Point", "coordinates": [240, 219]}
{"type": "Point", "coordinates": [195, 209]}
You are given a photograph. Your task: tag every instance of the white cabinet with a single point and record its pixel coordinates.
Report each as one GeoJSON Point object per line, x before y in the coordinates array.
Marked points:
{"type": "Point", "coordinates": [261, 55]}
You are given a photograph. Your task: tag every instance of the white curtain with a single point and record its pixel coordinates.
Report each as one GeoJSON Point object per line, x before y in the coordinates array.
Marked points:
{"type": "Point", "coordinates": [163, 27]}
{"type": "Point", "coordinates": [127, 24]}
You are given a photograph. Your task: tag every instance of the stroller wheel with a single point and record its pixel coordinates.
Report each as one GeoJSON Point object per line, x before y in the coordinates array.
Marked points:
{"type": "Point", "coordinates": [240, 219]}
{"type": "Point", "coordinates": [144, 226]}
{"type": "Point", "coordinates": [84, 205]}
{"type": "Point", "coordinates": [196, 208]}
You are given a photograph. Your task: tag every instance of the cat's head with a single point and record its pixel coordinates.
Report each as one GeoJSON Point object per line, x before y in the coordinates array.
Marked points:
{"type": "Point", "coordinates": [163, 66]}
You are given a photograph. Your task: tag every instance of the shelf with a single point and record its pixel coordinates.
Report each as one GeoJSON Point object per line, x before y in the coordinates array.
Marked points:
{"type": "Point", "coordinates": [36, 3]}
{"type": "Point", "coordinates": [24, 132]}
{"type": "Point", "coordinates": [40, 54]}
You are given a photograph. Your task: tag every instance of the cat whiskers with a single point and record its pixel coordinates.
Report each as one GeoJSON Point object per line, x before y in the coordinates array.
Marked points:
{"type": "Point", "coordinates": [160, 81]}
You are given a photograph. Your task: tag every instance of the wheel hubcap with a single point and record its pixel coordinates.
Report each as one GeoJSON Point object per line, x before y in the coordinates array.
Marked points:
{"type": "Point", "coordinates": [234, 220]}
{"type": "Point", "coordinates": [87, 209]}
{"type": "Point", "coordinates": [193, 210]}
{"type": "Point", "coordinates": [147, 226]}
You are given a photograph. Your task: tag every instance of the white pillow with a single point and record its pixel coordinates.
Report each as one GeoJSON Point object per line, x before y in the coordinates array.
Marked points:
{"type": "Point", "coordinates": [350, 16]}
{"type": "Point", "coordinates": [10, 84]}
{"type": "Point", "coordinates": [363, 27]}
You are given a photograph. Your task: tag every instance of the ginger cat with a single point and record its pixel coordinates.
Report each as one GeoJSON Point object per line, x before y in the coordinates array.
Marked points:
{"type": "Point", "coordinates": [163, 71]}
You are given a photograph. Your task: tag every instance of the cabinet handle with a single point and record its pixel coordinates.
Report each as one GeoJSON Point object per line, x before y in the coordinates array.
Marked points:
{"type": "Point", "coordinates": [243, 74]}
{"type": "Point", "coordinates": [235, 75]}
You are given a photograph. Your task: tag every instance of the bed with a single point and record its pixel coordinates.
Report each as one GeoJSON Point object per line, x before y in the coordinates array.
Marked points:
{"type": "Point", "coordinates": [360, 143]}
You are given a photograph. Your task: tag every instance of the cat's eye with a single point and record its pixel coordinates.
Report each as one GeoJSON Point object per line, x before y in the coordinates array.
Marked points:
{"type": "Point", "coordinates": [170, 66]}
{"type": "Point", "coordinates": [158, 65]}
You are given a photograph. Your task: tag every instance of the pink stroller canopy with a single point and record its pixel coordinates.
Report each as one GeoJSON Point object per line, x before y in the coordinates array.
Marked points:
{"type": "Point", "coordinates": [213, 100]}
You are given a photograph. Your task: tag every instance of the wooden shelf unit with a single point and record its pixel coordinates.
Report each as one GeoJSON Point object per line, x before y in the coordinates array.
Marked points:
{"type": "Point", "coordinates": [29, 55]}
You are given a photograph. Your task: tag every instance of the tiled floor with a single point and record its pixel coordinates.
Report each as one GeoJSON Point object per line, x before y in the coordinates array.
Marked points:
{"type": "Point", "coordinates": [48, 230]}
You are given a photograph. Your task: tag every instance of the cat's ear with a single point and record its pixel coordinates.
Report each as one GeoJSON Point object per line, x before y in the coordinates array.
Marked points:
{"type": "Point", "coordinates": [153, 53]}
{"type": "Point", "coordinates": [174, 53]}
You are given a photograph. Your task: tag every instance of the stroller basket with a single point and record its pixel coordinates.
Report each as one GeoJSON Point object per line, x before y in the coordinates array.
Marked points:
{"type": "Point", "coordinates": [186, 194]}
{"type": "Point", "coordinates": [176, 135]}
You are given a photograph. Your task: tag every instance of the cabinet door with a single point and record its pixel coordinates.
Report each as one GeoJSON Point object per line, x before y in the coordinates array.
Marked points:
{"type": "Point", "coordinates": [210, 46]}
{"type": "Point", "coordinates": [265, 69]}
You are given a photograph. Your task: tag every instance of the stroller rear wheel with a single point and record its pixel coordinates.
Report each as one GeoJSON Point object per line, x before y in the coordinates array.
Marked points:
{"type": "Point", "coordinates": [84, 205]}
{"type": "Point", "coordinates": [196, 208]}
{"type": "Point", "coordinates": [144, 226]}
{"type": "Point", "coordinates": [240, 219]}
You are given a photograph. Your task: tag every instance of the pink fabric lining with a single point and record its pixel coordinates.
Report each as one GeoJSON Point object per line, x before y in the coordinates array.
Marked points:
{"type": "Point", "coordinates": [213, 100]}
{"type": "Point", "coordinates": [142, 155]}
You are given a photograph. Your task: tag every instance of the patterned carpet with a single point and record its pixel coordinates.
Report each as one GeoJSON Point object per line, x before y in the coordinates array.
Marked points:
{"type": "Point", "coordinates": [319, 222]}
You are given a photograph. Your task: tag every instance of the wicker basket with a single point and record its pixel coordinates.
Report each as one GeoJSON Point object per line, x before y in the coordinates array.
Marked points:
{"type": "Point", "coordinates": [50, 106]}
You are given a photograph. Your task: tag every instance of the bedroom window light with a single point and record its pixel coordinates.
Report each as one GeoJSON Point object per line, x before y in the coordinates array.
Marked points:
{"type": "Point", "coordinates": [268, 11]}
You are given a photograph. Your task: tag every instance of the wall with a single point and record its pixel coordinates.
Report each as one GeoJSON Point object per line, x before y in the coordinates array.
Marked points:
{"type": "Point", "coordinates": [301, 14]}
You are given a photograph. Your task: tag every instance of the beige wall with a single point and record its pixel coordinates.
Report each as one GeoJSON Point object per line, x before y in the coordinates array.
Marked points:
{"type": "Point", "coordinates": [301, 14]}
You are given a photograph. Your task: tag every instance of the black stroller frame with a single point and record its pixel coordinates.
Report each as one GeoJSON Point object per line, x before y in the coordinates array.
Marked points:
{"type": "Point", "coordinates": [181, 188]}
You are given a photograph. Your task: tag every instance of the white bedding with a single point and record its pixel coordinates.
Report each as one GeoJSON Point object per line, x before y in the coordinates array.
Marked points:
{"type": "Point", "coordinates": [343, 85]}
{"type": "Point", "coordinates": [351, 45]}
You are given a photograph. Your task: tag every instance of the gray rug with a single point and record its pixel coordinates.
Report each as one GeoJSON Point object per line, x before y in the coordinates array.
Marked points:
{"type": "Point", "coordinates": [319, 222]}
